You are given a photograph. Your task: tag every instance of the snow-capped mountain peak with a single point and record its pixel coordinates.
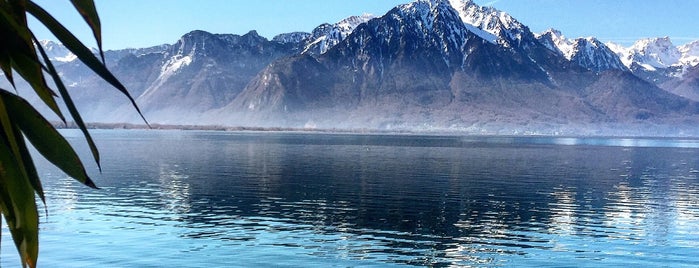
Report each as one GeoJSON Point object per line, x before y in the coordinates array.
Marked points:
{"type": "Point", "coordinates": [498, 26]}
{"type": "Point", "coordinates": [555, 41]}
{"type": "Point", "coordinates": [587, 52]}
{"type": "Point", "coordinates": [655, 52]}
{"type": "Point", "coordinates": [652, 54]}
{"type": "Point", "coordinates": [690, 54]}
{"type": "Point", "coordinates": [56, 51]}
{"type": "Point", "coordinates": [327, 35]}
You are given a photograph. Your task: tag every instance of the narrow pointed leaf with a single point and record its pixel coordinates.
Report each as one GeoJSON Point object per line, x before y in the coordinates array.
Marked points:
{"type": "Point", "coordinates": [10, 22]}
{"type": "Point", "coordinates": [70, 105]}
{"type": "Point", "coordinates": [78, 48]}
{"type": "Point", "coordinates": [19, 52]}
{"type": "Point", "coordinates": [19, 198]}
{"type": "Point", "coordinates": [30, 69]}
{"type": "Point", "coordinates": [6, 66]}
{"type": "Point", "coordinates": [17, 192]}
{"type": "Point", "coordinates": [87, 10]}
{"type": "Point", "coordinates": [29, 167]}
{"type": "Point", "coordinates": [45, 138]}
{"type": "Point", "coordinates": [8, 75]}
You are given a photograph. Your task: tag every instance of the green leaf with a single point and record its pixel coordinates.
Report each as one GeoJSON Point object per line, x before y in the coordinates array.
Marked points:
{"type": "Point", "coordinates": [78, 48]}
{"type": "Point", "coordinates": [87, 10]}
{"type": "Point", "coordinates": [30, 69]}
{"type": "Point", "coordinates": [16, 190]}
{"type": "Point", "coordinates": [69, 103]}
{"type": "Point", "coordinates": [45, 138]}
{"type": "Point", "coordinates": [29, 168]}
{"type": "Point", "coordinates": [18, 52]}
{"type": "Point", "coordinates": [6, 66]}
{"type": "Point", "coordinates": [18, 199]}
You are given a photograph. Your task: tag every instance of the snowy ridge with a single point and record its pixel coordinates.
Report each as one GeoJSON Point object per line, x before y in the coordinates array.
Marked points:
{"type": "Point", "coordinates": [588, 52]}
{"type": "Point", "coordinates": [326, 35]}
{"type": "Point", "coordinates": [57, 52]}
{"type": "Point", "coordinates": [496, 26]}
{"type": "Point", "coordinates": [690, 54]}
{"type": "Point", "coordinates": [652, 54]}
{"type": "Point", "coordinates": [555, 41]}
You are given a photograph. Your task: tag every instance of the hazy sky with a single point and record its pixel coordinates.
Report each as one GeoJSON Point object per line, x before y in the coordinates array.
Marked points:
{"type": "Point", "coordinates": [142, 23]}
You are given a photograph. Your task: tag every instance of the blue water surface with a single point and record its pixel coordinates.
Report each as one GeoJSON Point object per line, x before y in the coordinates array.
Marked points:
{"type": "Point", "coordinates": [275, 199]}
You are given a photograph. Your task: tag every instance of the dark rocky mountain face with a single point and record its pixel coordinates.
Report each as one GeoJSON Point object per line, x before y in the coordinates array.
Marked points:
{"type": "Point", "coordinates": [420, 66]}
{"type": "Point", "coordinates": [686, 86]}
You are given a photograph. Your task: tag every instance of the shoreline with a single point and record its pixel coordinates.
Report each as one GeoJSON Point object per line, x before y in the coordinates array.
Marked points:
{"type": "Point", "coordinates": [444, 132]}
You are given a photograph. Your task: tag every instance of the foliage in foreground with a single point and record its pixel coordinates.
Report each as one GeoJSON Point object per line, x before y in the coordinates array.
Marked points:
{"type": "Point", "coordinates": [21, 55]}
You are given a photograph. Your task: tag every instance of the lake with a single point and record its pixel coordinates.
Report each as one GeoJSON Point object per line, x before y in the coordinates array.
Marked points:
{"type": "Point", "coordinates": [249, 199]}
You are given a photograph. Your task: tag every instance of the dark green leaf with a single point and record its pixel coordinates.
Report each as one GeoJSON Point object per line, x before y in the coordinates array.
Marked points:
{"type": "Point", "coordinates": [29, 167]}
{"type": "Point", "coordinates": [69, 103]}
{"type": "Point", "coordinates": [17, 192]}
{"type": "Point", "coordinates": [30, 69]}
{"type": "Point", "coordinates": [19, 199]}
{"type": "Point", "coordinates": [45, 138]}
{"type": "Point", "coordinates": [78, 48]}
{"type": "Point", "coordinates": [6, 67]}
{"type": "Point", "coordinates": [87, 10]}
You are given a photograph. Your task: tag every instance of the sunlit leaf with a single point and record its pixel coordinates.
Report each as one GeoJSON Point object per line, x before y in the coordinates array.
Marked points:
{"type": "Point", "coordinates": [80, 50]}
{"type": "Point", "coordinates": [51, 144]}
{"type": "Point", "coordinates": [87, 10]}
{"type": "Point", "coordinates": [70, 105]}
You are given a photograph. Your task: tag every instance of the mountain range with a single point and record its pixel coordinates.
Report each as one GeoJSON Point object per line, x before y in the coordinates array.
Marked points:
{"type": "Point", "coordinates": [440, 65]}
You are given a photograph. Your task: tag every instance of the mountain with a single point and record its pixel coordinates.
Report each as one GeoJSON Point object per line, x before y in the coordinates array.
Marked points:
{"type": "Point", "coordinates": [588, 53]}
{"type": "Point", "coordinates": [174, 83]}
{"type": "Point", "coordinates": [447, 65]}
{"type": "Point", "coordinates": [56, 51]}
{"type": "Point", "coordinates": [659, 61]}
{"type": "Point", "coordinates": [425, 65]}
{"type": "Point", "coordinates": [327, 35]}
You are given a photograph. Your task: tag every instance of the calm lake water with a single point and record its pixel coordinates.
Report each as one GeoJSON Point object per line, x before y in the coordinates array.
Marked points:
{"type": "Point", "coordinates": [218, 199]}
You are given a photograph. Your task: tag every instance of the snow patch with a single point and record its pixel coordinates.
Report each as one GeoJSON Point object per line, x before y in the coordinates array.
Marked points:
{"type": "Point", "coordinates": [174, 64]}
{"type": "Point", "coordinates": [658, 53]}
{"type": "Point", "coordinates": [497, 26]}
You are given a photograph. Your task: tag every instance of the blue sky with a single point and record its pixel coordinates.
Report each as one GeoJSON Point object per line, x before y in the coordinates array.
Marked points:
{"type": "Point", "coordinates": [142, 23]}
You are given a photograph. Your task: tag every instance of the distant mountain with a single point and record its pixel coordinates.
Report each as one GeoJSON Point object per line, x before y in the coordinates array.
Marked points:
{"type": "Point", "coordinates": [588, 53]}
{"type": "Point", "coordinates": [422, 65]}
{"type": "Point", "coordinates": [659, 61]}
{"type": "Point", "coordinates": [327, 35]}
{"type": "Point", "coordinates": [446, 65]}
{"type": "Point", "coordinates": [56, 51]}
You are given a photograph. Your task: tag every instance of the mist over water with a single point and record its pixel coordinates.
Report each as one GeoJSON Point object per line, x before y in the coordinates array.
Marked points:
{"type": "Point", "coordinates": [202, 199]}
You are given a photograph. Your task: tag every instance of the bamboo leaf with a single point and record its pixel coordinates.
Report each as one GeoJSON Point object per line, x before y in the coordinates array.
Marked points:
{"type": "Point", "coordinates": [17, 27]}
{"type": "Point", "coordinates": [29, 167]}
{"type": "Point", "coordinates": [18, 198]}
{"type": "Point", "coordinates": [87, 10]}
{"type": "Point", "coordinates": [19, 53]}
{"type": "Point", "coordinates": [45, 138]}
{"type": "Point", "coordinates": [17, 192]}
{"type": "Point", "coordinates": [78, 48]}
{"type": "Point", "coordinates": [70, 105]}
{"type": "Point", "coordinates": [7, 70]}
{"type": "Point", "coordinates": [30, 69]}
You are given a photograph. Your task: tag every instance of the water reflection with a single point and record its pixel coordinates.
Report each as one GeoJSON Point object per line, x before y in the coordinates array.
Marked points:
{"type": "Point", "coordinates": [433, 201]}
